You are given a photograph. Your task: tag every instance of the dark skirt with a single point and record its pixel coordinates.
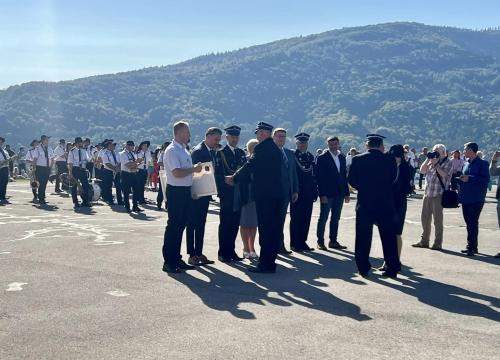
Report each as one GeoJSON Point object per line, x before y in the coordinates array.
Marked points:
{"type": "Point", "coordinates": [400, 215]}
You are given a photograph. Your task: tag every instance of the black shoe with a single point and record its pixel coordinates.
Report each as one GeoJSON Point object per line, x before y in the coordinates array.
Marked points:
{"type": "Point", "coordinates": [336, 245]}
{"type": "Point", "coordinates": [296, 249]}
{"type": "Point", "coordinates": [224, 259]}
{"type": "Point", "coordinates": [77, 205]}
{"type": "Point", "coordinates": [35, 200]}
{"type": "Point", "coordinates": [497, 256]}
{"type": "Point", "coordinates": [364, 274]}
{"type": "Point", "coordinates": [322, 247]}
{"type": "Point", "coordinates": [184, 266]}
{"type": "Point", "coordinates": [307, 248]}
{"type": "Point", "coordinates": [86, 204]}
{"type": "Point", "coordinates": [258, 270]}
{"type": "Point", "coordinates": [471, 253]}
{"type": "Point", "coordinates": [284, 251]}
{"type": "Point", "coordinates": [58, 191]}
{"type": "Point", "coordinates": [465, 251]}
{"type": "Point", "coordinates": [128, 210]}
{"type": "Point", "coordinates": [382, 268]}
{"type": "Point", "coordinates": [137, 209]}
{"type": "Point", "coordinates": [235, 257]}
{"type": "Point", "coordinates": [121, 203]}
{"type": "Point", "coordinates": [171, 269]}
{"type": "Point", "coordinates": [390, 275]}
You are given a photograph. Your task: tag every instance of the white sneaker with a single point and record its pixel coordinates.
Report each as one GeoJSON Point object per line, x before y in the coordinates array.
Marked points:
{"type": "Point", "coordinates": [246, 255]}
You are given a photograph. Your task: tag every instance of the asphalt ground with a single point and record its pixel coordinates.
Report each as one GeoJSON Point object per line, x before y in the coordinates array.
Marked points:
{"type": "Point", "coordinates": [89, 285]}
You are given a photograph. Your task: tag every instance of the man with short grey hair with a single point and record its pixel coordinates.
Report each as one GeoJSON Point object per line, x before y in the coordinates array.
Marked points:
{"type": "Point", "coordinates": [438, 170]}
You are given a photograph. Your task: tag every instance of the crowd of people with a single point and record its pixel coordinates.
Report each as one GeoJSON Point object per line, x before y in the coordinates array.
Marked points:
{"type": "Point", "coordinates": [257, 185]}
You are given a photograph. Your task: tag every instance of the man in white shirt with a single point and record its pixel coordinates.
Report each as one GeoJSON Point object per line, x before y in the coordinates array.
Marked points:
{"type": "Point", "coordinates": [61, 159]}
{"type": "Point", "coordinates": [142, 173]}
{"type": "Point", "coordinates": [160, 197]}
{"type": "Point", "coordinates": [110, 173]}
{"type": "Point", "coordinates": [43, 161]}
{"type": "Point", "coordinates": [30, 155]}
{"type": "Point", "coordinates": [4, 172]}
{"type": "Point", "coordinates": [77, 170]}
{"type": "Point", "coordinates": [179, 169]}
{"type": "Point", "coordinates": [129, 164]}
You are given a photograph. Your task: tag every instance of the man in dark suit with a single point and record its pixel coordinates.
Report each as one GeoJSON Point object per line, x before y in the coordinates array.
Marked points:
{"type": "Point", "coordinates": [301, 210]}
{"type": "Point", "coordinates": [264, 169]}
{"type": "Point", "coordinates": [373, 174]}
{"type": "Point", "coordinates": [229, 160]}
{"type": "Point", "coordinates": [289, 180]}
{"type": "Point", "coordinates": [195, 231]}
{"type": "Point", "coordinates": [333, 191]}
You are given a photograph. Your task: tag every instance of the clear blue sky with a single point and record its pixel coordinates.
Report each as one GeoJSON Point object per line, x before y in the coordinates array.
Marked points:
{"type": "Point", "coordinates": [67, 39]}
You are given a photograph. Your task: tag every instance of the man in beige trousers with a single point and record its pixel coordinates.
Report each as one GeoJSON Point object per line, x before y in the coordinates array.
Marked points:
{"type": "Point", "coordinates": [437, 163]}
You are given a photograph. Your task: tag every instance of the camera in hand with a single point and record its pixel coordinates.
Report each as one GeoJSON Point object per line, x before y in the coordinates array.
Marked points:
{"type": "Point", "coordinates": [433, 155]}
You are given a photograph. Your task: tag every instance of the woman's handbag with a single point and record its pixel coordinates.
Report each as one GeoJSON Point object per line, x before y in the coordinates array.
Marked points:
{"type": "Point", "coordinates": [449, 199]}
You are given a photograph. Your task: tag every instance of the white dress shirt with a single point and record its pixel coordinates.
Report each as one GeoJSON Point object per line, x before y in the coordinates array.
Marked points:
{"type": "Point", "coordinates": [39, 154]}
{"type": "Point", "coordinates": [107, 158]}
{"type": "Point", "coordinates": [78, 157]}
{"type": "Point", "coordinates": [126, 157]}
{"type": "Point", "coordinates": [59, 153]}
{"type": "Point", "coordinates": [177, 157]}
{"type": "Point", "coordinates": [146, 159]}
{"type": "Point", "coordinates": [4, 156]}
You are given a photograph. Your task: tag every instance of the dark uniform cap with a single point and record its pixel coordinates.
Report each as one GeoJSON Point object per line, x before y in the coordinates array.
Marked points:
{"type": "Point", "coordinates": [87, 140]}
{"type": "Point", "coordinates": [61, 141]}
{"type": "Point", "coordinates": [43, 137]}
{"type": "Point", "coordinates": [264, 126]}
{"type": "Point", "coordinates": [2, 139]}
{"type": "Point", "coordinates": [233, 130]}
{"type": "Point", "coordinates": [302, 137]}
{"type": "Point", "coordinates": [77, 140]}
{"type": "Point", "coordinates": [375, 137]}
{"type": "Point", "coordinates": [33, 142]}
{"type": "Point", "coordinates": [130, 143]}
{"type": "Point", "coordinates": [148, 143]}
{"type": "Point", "coordinates": [107, 142]}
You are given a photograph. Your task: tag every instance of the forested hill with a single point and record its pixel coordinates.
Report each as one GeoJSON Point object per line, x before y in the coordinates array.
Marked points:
{"type": "Point", "coordinates": [414, 83]}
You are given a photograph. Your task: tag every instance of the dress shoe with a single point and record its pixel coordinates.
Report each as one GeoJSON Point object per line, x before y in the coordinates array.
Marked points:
{"type": "Point", "coordinates": [35, 200]}
{"type": "Point", "coordinates": [171, 269]}
{"type": "Point", "coordinates": [137, 209]}
{"type": "Point", "coordinates": [235, 257]}
{"type": "Point", "coordinates": [258, 270]}
{"type": "Point", "coordinates": [382, 268]}
{"type": "Point", "coordinates": [465, 251]}
{"type": "Point", "coordinates": [194, 260]}
{"type": "Point", "coordinates": [224, 259]}
{"type": "Point", "coordinates": [336, 245]}
{"type": "Point", "coordinates": [364, 274]}
{"type": "Point", "coordinates": [436, 247]}
{"type": "Point", "coordinates": [322, 247]}
{"type": "Point", "coordinates": [470, 253]}
{"type": "Point", "coordinates": [128, 210]}
{"type": "Point", "coordinates": [284, 251]}
{"type": "Point", "coordinates": [390, 275]}
{"type": "Point", "coordinates": [86, 204]}
{"type": "Point", "coordinates": [184, 266]}
{"type": "Point", "coordinates": [296, 249]}
{"type": "Point", "coordinates": [43, 202]}
{"type": "Point", "coordinates": [307, 248]}
{"type": "Point", "coordinates": [202, 260]}
{"type": "Point", "coordinates": [58, 191]}
{"type": "Point", "coordinates": [420, 245]}
{"type": "Point", "coordinates": [497, 256]}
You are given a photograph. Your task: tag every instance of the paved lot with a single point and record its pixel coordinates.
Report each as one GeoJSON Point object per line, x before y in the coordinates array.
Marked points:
{"type": "Point", "coordinates": [89, 285]}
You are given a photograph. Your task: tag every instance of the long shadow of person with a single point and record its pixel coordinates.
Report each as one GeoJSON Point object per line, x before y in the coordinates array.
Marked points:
{"type": "Point", "coordinates": [225, 292]}
{"type": "Point", "coordinates": [443, 296]}
{"type": "Point", "coordinates": [479, 257]}
{"type": "Point", "coordinates": [300, 284]}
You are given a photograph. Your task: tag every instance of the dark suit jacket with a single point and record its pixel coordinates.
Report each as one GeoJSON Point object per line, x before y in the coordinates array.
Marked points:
{"type": "Point", "coordinates": [331, 181]}
{"type": "Point", "coordinates": [372, 174]}
{"type": "Point", "coordinates": [227, 164]}
{"type": "Point", "coordinates": [289, 173]}
{"type": "Point", "coordinates": [200, 153]}
{"type": "Point", "coordinates": [265, 165]}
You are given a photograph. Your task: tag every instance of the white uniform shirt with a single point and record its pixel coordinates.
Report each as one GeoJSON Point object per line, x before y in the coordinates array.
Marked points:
{"type": "Point", "coordinates": [60, 153]}
{"type": "Point", "coordinates": [177, 157]}
{"type": "Point", "coordinates": [39, 154]}
{"type": "Point", "coordinates": [4, 156]}
{"type": "Point", "coordinates": [160, 159]}
{"type": "Point", "coordinates": [107, 158]}
{"type": "Point", "coordinates": [30, 155]}
{"type": "Point", "coordinates": [78, 157]}
{"type": "Point", "coordinates": [146, 159]}
{"type": "Point", "coordinates": [126, 157]}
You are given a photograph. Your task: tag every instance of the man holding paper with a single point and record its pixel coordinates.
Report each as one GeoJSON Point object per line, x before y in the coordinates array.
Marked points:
{"type": "Point", "coordinates": [205, 152]}
{"type": "Point", "coordinates": [179, 169]}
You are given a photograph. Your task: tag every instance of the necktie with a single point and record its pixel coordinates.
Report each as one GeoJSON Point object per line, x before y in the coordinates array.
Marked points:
{"type": "Point", "coordinates": [285, 158]}
{"type": "Point", "coordinates": [213, 156]}
{"type": "Point", "coordinates": [79, 157]}
{"type": "Point", "coordinates": [46, 151]}
{"type": "Point", "coordinates": [144, 161]}
{"type": "Point", "coordinates": [114, 157]}
{"type": "Point", "coordinates": [131, 154]}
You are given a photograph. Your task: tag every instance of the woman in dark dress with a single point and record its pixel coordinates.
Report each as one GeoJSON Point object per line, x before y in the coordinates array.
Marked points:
{"type": "Point", "coordinates": [400, 191]}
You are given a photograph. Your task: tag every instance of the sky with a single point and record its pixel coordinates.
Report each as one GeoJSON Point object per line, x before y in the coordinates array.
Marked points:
{"type": "Point", "coordinates": [56, 40]}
